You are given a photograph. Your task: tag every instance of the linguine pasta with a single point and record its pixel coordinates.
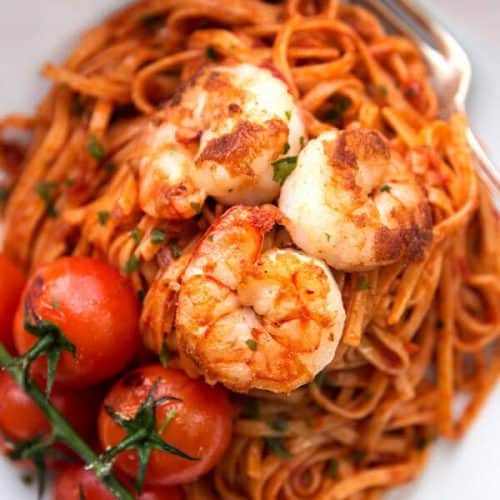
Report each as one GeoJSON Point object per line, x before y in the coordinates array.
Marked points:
{"type": "Point", "coordinates": [418, 334]}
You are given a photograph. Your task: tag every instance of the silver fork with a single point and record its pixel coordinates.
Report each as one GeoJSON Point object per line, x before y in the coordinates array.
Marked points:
{"type": "Point", "coordinates": [449, 67]}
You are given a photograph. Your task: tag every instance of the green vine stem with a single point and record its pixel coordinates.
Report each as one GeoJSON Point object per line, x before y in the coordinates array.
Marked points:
{"type": "Point", "coordinates": [61, 430]}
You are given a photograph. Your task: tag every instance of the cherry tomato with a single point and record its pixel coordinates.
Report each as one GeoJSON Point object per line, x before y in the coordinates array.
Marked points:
{"type": "Point", "coordinates": [94, 308]}
{"type": "Point", "coordinates": [21, 419]}
{"type": "Point", "coordinates": [11, 286]}
{"type": "Point", "coordinates": [75, 479]}
{"type": "Point", "coordinates": [201, 426]}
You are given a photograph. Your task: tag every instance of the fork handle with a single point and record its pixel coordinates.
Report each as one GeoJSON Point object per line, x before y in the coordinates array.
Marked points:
{"type": "Point", "coordinates": [489, 173]}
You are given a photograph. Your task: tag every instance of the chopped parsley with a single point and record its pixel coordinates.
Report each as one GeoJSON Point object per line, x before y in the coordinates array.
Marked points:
{"type": "Point", "coordinates": [141, 295]}
{"type": "Point", "coordinates": [174, 249]}
{"type": "Point", "coordinates": [251, 409]}
{"type": "Point", "coordinates": [77, 107]}
{"type": "Point", "coordinates": [4, 194]}
{"type": "Point", "coordinates": [321, 380]}
{"type": "Point", "coordinates": [211, 53]}
{"type": "Point", "coordinates": [423, 442]}
{"type": "Point", "coordinates": [55, 304]}
{"type": "Point", "coordinates": [278, 424]}
{"type": "Point", "coordinates": [95, 148]}
{"type": "Point", "coordinates": [132, 265]}
{"type": "Point", "coordinates": [251, 344]}
{"type": "Point", "coordinates": [158, 236]}
{"type": "Point", "coordinates": [103, 217]}
{"type": "Point", "coordinates": [277, 445]}
{"type": "Point", "coordinates": [135, 234]}
{"type": "Point", "coordinates": [332, 468]}
{"type": "Point", "coordinates": [283, 168]}
{"type": "Point", "coordinates": [309, 423]}
{"type": "Point", "coordinates": [340, 105]}
{"type": "Point", "coordinates": [286, 148]}
{"type": "Point", "coordinates": [385, 188]}
{"type": "Point", "coordinates": [196, 207]}
{"type": "Point", "coordinates": [45, 190]}
{"type": "Point", "coordinates": [164, 354]}
{"type": "Point", "coordinates": [358, 456]}
{"type": "Point", "coordinates": [327, 236]}
{"type": "Point", "coordinates": [288, 115]}
{"type": "Point", "coordinates": [362, 284]}
{"type": "Point", "coordinates": [301, 141]}
{"type": "Point", "coordinates": [110, 167]}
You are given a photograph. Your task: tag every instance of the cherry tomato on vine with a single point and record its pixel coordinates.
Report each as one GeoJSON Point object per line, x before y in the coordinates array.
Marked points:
{"type": "Point", "coordinates": [11, 286]}
{"type": "Point", "coordinates": [75, 481]}
{"type": "Point", "coordinates": [22, 420]}
{"type": "Point", "coordinates": [199, 424]}
{"type": "Point", "coordinates": [93, 307]}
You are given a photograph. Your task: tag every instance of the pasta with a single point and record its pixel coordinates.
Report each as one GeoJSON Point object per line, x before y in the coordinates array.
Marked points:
{"type": "Point", "coordinates": [418, 334]}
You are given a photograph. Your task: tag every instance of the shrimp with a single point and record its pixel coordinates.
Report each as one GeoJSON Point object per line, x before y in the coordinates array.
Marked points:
{"type": "Point", "coordinates": [167, 189]}
{"type": "Point", "coordinates": [218, 136]}
{"type": "Point", "coordinates": [355, 203]}
{"type": "Point", "coordinates": [252, 122]}
{"type": "Point", "coordinates": [252, 317]}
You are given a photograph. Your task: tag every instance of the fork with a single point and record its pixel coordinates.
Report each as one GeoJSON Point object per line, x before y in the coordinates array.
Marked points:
{"type": "Point", "coordinates": [449, 66]}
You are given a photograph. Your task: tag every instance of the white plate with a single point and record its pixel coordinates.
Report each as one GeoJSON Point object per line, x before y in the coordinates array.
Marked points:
{"type": "Point", "coordinates": [33, 31]}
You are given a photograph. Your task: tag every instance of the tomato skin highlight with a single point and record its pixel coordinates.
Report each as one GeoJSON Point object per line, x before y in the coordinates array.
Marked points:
{"type": "Point", "coordinates": [94, 308]}
{"type": "Point", "coordinates": [201, 426]}
{"type": "Point", "coordinates": [12, 282]}
{"type": "Point", "coordinates": [75, 477]}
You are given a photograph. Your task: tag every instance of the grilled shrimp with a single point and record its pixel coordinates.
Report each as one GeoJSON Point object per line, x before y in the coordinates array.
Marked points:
{"type": "Point", "coordinates": [251, 121]}
{"type": "Point", "coordinates": [255, 317]}
{"type": "Point", "coordinates": [354, 203]}
{"type": "Point", "coordinates": [218, 136]}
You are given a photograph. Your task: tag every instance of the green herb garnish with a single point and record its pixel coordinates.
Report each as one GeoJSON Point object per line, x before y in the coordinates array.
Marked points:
{"type": "Point", "coordinates": [385, 188]}
{"type": "Point", "coordinates": [277, 445]}
{"type": "Point", "coordinates": [110, 167]}
{"type": "Point", "coordinates": [103, 216]}
{"type": "Point", "coordinates": [362, 284]}
{"type": "Point", "coordinates": [95, 148]}
{"type": "Point", "coordinates": [358, 456]}
{"type": "Point", "coordinates": [196, 207]}
{"type": "Point", "coordinates": [252, 345]}
{"type": "Point", "coordinates": [4, 194]}
{"type": "Point", "coordinates": [341, 104]}
{"type": "Point", "coordinates": [176, 253]}
{"type": "Point", "coordinates": [164, 354]}
{"type": "Point", "coordinates": [251, 409]}
{"type": "Point", "coordinates": [45, 190]}
{"type": "Point", "coordinates": [135, 234]}
{"type": "Point", "coordinates": [158, 236]}
{"type": "Point", "coordinates": [211, 53]}
{"type": "Point", "coordinates": [283, 168]}
{"type": "Point", "coordinates": [132, 265]}
{"type": "Point", "coordinates": [332, 468]}
{"type": "Point", "coordinates": [278, 424]}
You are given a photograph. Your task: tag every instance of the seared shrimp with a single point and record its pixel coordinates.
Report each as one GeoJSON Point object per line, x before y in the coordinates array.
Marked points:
{"type": "Point", "coordinates": [218, 136]}
{"type": "Point", "coordinates": [250, 317]}
{"type": "Point", "coordinates": [353, 203]}
{"type": "Point", "coordinates": [166, 187]}
{"type": "Point", "coordinates": [251, 121]}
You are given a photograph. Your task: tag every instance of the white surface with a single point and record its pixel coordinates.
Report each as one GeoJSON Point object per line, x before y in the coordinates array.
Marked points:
{"type": "Point", "coordinates": [32, 31]}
